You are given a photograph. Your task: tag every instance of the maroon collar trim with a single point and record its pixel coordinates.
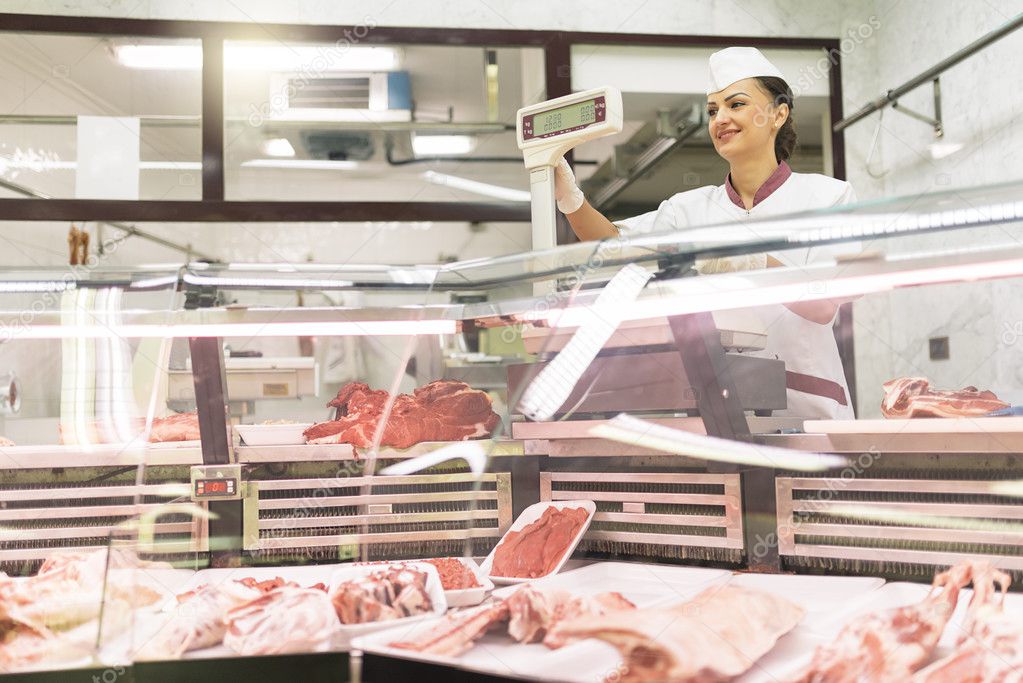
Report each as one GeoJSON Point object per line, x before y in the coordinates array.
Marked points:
{"type": "Point", "coordinates": [773, 182]}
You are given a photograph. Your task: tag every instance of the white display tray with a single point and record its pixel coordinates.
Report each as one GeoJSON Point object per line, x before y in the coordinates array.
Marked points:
{"type": "Point", "coordinates": [530, 515]}
{"type": "Point", "coordinates": [348, 632]}
{"type": "Point", "coordinates": [273, 435]}
{"type": "Point", "coordinates": [921, 425]}
{"type": "Point", "coordinates": [644, 585]}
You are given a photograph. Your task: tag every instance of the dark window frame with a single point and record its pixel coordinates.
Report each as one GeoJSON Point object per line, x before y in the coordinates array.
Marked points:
{"type": "Point", "coordinates": [213, 207]}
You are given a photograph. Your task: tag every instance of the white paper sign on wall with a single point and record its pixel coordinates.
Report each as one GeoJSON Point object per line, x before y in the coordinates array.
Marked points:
{"type": "Point", "coordinates": [108, 157]}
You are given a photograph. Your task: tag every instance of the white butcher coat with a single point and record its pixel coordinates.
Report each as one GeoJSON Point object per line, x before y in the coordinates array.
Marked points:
{"type": "Point", "coordinates": [808, 348]}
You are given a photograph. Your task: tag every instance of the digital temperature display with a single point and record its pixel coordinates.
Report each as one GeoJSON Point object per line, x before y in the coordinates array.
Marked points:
{"type": "Point", "coordinates": [215, 487]}
{"type": "Point", "coordinates": [564, 119]}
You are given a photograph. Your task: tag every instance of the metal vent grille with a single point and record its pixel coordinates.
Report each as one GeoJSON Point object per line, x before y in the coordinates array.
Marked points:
{"type": "Point", "coordinates": [36, 520]}
{"type": "Point", "coordinates": [653, 514]}
{"type": "Point", "coordinates": [915, 522]}
{"type": "Point", "coordinates": [329, 93]}
{"type": "Point", "coordinates": [401, 516]}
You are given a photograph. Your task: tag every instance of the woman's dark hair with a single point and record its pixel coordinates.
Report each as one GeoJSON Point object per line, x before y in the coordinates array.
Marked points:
{"type": "Point", "coordinates": [781, 93]}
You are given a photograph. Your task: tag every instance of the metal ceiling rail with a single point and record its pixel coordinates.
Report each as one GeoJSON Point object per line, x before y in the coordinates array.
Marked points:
{"type": "Point", "coordinates": [130, 230]}
{"type": "Point", "coordinates": [892, 96]}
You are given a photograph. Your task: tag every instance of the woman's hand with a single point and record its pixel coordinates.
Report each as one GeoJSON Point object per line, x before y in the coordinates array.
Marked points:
{"type": "Point", "coordinates": [587, 223]}
{"type": "Point", "coordinates": [566, 192]}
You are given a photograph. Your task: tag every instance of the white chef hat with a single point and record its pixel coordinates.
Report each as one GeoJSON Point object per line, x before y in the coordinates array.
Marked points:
{"type": "Point", "coordinates": [736, 63]}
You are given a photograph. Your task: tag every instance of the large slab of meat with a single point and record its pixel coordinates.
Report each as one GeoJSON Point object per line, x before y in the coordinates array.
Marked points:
{"type": "Point", "coordinates": [179, 427]}
{"type": "Point", "coordinates": [530, 615]}
{"type": "Point", "coordinates": [444, 410]}
{"type": "Point", "coordinates": [908, 397]}
{"type": "Point", "coordinates": [888, 646]}
{"type": "Point", "coordinates": [53, 616]}
{"type": "Point", "coordinates": [718, 635]}
{"type": "Point", "coordinates": [536, 549]}
{"type": "Point", "coordinates": [284, 620]}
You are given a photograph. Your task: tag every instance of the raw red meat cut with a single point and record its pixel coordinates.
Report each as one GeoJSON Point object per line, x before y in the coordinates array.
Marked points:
{"type": "Point", "coordinates": [454, 574]}
{"type": "Point", "coordinates": [536, 549]}
{"type": "Point", "coordinates": [888, 646]}
{"type": "Point", "coordinates": [908, 397]}
{"type": "Point", "coordinates": [444, 410]}
{"type": "Point", "coordinates": [179, 427]}
{"type": "Point", "coordinates": [459, 631]}
{"type": "Point", "coordinates": [532, 616]}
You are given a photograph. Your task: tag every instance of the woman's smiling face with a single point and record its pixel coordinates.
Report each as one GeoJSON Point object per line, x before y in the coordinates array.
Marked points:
{"type": "Point", "coordinates": [743, 121]}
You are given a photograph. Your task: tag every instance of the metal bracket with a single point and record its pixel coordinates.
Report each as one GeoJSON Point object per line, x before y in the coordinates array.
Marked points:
{"type": "Point", "coordinates": [935, 123]}
{"type": "Point", "coordinates": [671, 133]}
{"type": "Point", "coordinates": [706, 366]}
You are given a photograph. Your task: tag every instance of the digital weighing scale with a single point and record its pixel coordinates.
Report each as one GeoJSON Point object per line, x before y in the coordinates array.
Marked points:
{"type": "Point", "coordinates": [546, 131]}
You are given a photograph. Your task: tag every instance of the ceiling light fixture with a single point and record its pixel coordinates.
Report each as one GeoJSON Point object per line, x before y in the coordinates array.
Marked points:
{"type": "Point", "coordinates": [261, 57]}
{"type": "Point", "coordinates": [54, 165]}
{"type": "Point", "coordinates": [439, 145]}
{"type": "Point", "coordinates": [302, 164]}
{"type": "Point", "coordinates": [476, 187]}
{"type": "Point", "coordinates": [277, 147]}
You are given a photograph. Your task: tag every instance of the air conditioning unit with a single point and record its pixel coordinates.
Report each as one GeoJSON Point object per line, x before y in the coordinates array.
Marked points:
{"type": "Point", "coordinates": [341, 97]}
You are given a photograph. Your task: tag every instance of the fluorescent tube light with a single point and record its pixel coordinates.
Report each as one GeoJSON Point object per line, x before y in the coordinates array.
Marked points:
{"type": "Point", "coordinates": [283, 329]}
{"type": "Point", "coordinates": [940, 150]}
{"type": "Point", "coordinates": [165, 57]}
{"type": "Point", "coordinates": [278, 147]}
{"type": "Point", "coordinates": [302, 164]}
{"type": "Point", "coordinates": [52, 165]}
{"type": "Point", "coordinates": [440, 145]}
{"type": "Point", "coordinates": [261, 57]}
{"type": "Point", "coordinates": [485, 189]}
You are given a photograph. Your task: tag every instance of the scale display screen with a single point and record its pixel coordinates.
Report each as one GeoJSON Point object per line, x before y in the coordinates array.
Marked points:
{"type": "Point", "coordinates": [563, 120]}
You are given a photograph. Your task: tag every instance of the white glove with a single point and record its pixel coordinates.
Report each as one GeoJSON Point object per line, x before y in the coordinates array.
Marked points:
{"type": "Point", "coordinates": [731, 264]}
{"type": "Point", "coordinates": [568, 195]}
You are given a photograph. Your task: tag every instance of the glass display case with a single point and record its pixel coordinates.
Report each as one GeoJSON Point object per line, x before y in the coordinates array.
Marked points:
{"type": "Point", "coordinates": [239, 442]}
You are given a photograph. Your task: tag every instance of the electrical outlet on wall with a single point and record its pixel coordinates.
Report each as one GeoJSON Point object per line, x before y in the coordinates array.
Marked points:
{"type": "Point", "coordinates": [938, 348]}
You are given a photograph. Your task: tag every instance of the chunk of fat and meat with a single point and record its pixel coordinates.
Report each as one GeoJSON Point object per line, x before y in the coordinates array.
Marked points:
{"type": "Point", "coordinates": [530, 615]}
{"type": "Point", "coordinates": [913, 397]}
{"type": "Point", "coordinates": [285, 620]}
{"type": "Point", "coordinates": [717, 636]}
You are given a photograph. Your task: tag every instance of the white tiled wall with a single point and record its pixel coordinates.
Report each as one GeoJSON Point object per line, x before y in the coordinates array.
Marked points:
{"type": "Point", "coordinates": [981, 105]}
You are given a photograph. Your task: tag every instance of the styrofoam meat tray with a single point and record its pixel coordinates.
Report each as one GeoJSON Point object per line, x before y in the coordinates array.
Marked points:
{"type": "Point", "coordinates": [644, 585]}
{"type": "Point", "coordinates": [348, 632]}
{"type": "Point", "coordinates": [462, 597]}
{"type": "Point", "coordinates": [530, 515]}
